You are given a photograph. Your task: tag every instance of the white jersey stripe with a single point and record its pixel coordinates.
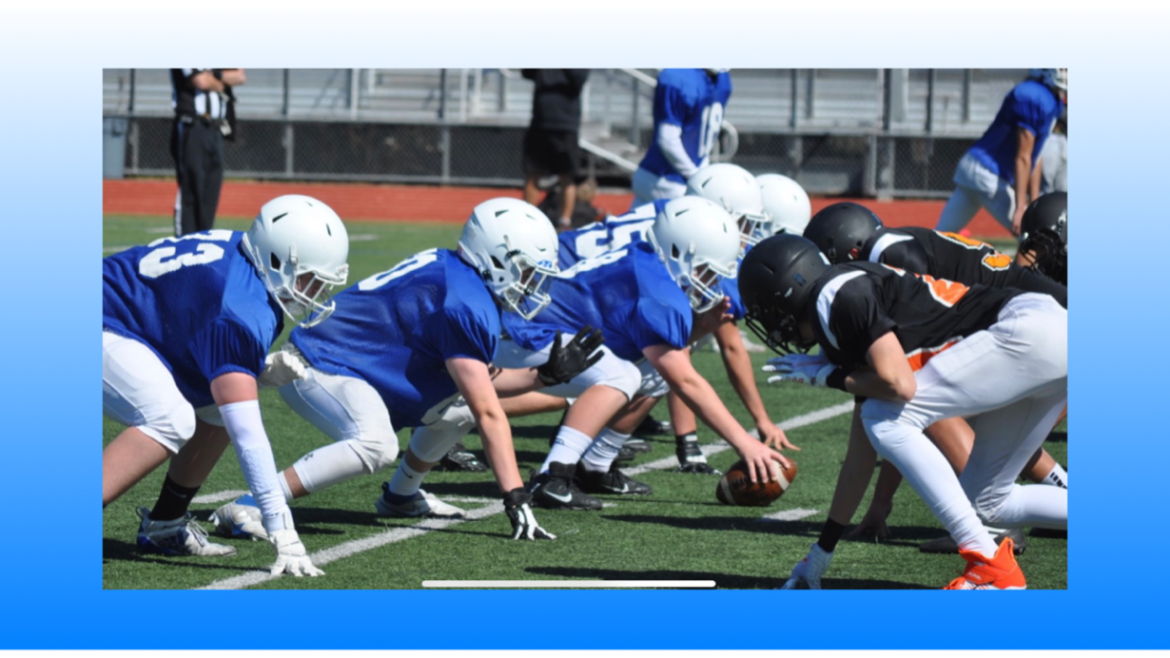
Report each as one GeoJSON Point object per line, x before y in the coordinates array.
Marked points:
{"type": "Point", "coordinates": [825, 302]}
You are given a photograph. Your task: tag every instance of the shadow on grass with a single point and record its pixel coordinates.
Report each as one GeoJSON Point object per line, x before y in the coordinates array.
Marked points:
{"type": "Point", "coordinates": [722, 580]}
{"type": "Point", "coordinates": [114, 550]}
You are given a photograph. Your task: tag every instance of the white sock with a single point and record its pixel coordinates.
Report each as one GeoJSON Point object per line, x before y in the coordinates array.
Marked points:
{"type": "Point", "coordinates": [1058, 477]}
{"type": "Point", "coordinates": [568, 447]}
{"type": "Point", "coordinates": [326, 466]}
{"type": "Point", "coordinates": [406, 480]}
{"type": "Point", "coordinates": [604, 449]}
{"type": "Point", "coordinates": [285, 488]}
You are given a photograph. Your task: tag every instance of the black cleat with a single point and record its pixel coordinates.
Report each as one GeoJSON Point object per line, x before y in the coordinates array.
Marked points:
{"type": "Point", "coordinates": [1049, 533]}
{"type": "Point", "coordinates": [946, 544]}
{"type": "Point", "coordinates": [556, 490]}
{"type": "Point", "coordinates": [637, 445]}
{"type": "Point", "coordinates": [625, 456]}
{"type": "Point", "coordinates": [461, 459]}
{"type": "Point", "coordinates": [651, 427]}
{"type": "Point", "coordinates": [692, 460]}
{"type": "Point", "coordinates": [612, 481]}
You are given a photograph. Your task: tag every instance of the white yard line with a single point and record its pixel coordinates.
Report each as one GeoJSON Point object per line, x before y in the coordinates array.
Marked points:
{"type": "Point", "coordinates": [322, 558]}
{"type": "Point", "coordinates": [789, 515]}
{"type": "Point", "coordinates": [218, 497]}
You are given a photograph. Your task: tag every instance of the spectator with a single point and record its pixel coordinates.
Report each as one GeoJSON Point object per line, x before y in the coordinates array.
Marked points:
{"type": "Point", "coordinates": [550, 145]}
{"type": "Point", "coordinates": [999, 171]}
{"type": "Point", "coordinates": [201, 101]}
{"type": "Point", "coordinates": [688, 114]}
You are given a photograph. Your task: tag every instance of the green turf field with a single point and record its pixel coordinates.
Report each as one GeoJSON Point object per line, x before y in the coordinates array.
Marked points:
{"type": "Point", "coordinates": [680, 532]}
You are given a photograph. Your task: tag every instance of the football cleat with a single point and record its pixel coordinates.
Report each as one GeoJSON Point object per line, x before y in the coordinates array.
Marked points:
{"type": "Point", "coordinates": [420, 505]}
{"type": "Point", "coordinates": [692, 460]}
{"type": "Point", "coordinates": [946, 544]}
{"type": "Point", "coordinates": [612, 481]}
{"type": "Point", "coordinates": [652, 427]}
{"type": "Point", "coordinates": [556, 489]}
{"type": "Point", "coordinates": [240, 519]}
{"type": "Point", "coordinates": [181, 536]}
{"type": "Point", "coordinates": [1049, 533]}
{"type": "Point", "coordinates": [625, 456]}
{"type": "Point", "coordinates": [638, 445]}
{"type": "Point", "coordinates": [1000, 572]}
{"type": "Point", "coordinates": [461, 459]}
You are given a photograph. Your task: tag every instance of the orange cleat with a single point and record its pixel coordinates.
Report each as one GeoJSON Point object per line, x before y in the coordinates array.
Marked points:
{"type": "Point", "coordinates": [1000, 572]}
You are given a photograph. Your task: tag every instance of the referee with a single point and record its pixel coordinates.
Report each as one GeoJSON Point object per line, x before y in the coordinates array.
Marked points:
{"type": "Point", "coordinates": [201, 100]}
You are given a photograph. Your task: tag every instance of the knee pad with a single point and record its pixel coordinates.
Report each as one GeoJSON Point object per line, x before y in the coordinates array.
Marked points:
{"type": "Point", "coordinates": [376, 452]}
{"type": "Point", "coordinates": [430, 442]}
{"type": "Point", "coordinates": [171, 427]}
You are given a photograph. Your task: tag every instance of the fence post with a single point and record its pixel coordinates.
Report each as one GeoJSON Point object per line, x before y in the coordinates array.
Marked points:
{"type": "Point", "coordinates": [796, 146]}
{"type": "Point", "coordinates": [929, 100]}
{"type": "Point", "coordinates": [635, 136]}
{"type": "Point", "coordinates": [810, 101]}
{"type": "Point", "coordinates": [444, 130]}
{"type": "Point", "coordinates": [967, 79]}
{"type": "Point", "coordinates": [288, 127]}
{"type": "Point", "coordinates": [130, 103]}
{"type": "Point", "coordinates": [354, 91]}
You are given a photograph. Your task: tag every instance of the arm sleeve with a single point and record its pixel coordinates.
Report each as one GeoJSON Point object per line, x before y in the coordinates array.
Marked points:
{"type": "Point", "coordinates": [670, 143]}
{"type": "Point", "coordinates": [227, 346]}
{"type": "Point", "coordinates": [244, 426]}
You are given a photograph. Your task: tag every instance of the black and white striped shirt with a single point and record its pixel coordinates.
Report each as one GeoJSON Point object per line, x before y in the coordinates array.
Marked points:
{"type": "Point", "coordinates": [186, 99]}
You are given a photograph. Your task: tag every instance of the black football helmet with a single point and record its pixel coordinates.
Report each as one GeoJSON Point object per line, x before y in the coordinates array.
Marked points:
{"type": "Point", "coordinates": [775, 282]}
{"type": "Point", "coordinates": [841, 230]}
{"type": "Point", "coordinates": [1044, 231]}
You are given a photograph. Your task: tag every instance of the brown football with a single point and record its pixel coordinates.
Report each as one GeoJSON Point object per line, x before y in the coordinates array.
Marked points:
{"type": "Point", "coordinates": [736, 488]}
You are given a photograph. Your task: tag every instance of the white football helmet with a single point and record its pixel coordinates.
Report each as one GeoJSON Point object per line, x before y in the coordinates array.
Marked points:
{"type": "Point", "coordinates": [1055, 78]}
{"type": "Point", "coordinates": [699, 243]}
{"type": "Point", "coordinates": [513, 246]}
{"type": "Point", "coordinates": [786, 203]}
{"type": "Point", "coordinates": [737, 192]}
{"type": "Point", "coordinates": [300, 247]}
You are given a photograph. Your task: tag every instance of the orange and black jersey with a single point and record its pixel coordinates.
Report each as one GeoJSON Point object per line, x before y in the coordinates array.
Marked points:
{"type": "Point", "coordinates": [956, 258]}
{"type": "Point", "coordinates": [854, 304]}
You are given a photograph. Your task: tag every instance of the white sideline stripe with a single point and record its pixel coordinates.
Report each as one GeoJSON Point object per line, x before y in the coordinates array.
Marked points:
{"type": "Point", "coordinates": [322, 558]}
{"type": "Point", "coordinates": [716, 448]}
{"type": "Point", "coordinates": [570, 584]}
{"type": "Point", "coordinates": [218, 497]}
{"type": "Point", "coordinates": [363, 237]}
{"type": "Point", "coordinates": [788, 515]}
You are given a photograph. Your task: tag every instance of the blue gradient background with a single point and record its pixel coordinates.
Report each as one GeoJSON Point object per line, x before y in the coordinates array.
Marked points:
{"type": "Point", "coordinates": [50, 533]}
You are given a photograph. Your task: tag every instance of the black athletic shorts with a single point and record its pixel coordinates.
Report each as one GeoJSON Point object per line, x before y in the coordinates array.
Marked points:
{"type": "Point", "coordinates": [551, 153]}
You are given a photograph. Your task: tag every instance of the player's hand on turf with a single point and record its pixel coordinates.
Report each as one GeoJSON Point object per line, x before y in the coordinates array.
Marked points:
{"type": "Point", "coordinates": [291, 557]}
{"type": "Point", "coordinates": [808, 571]}
{"type": "Point", "coordinates": [800, 369]}
{"type": "Point", "coordinates": [763, 463]}
{"type": "Point", "coordinates": [774, 437]}
{"type": "Point", "coordinates": [524, 525]}
{"type": "Point", "coordinates": [281, 368]}
{"type": "Point", "coordinates": [874, 522]}
{"type": "Point", "coordinates": [573, 358]}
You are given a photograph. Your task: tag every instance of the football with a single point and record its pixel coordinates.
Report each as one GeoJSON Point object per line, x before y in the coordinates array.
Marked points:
{"type": "Point", "coordinates": [736, 488]}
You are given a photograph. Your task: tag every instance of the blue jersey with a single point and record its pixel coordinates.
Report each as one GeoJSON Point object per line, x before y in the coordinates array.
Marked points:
{"type": "Point", "coordinates": [693, 101]}
{"type": "Point", "coordinates": [627, 293]}
{"type": "Point", "coordinates": [613, 233]}
{"type": "Point", "coordinates": [1029, 105]}
{"type": "Point", "coordinates": [396, 330]}
{"type": "Point", "coordinates": [197, 302]}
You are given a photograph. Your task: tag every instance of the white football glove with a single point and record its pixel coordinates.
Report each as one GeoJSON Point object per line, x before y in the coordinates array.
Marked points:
{"type": "Point", "coordinates": [524, 525]}
{"type": "Point", "coordinates": [291, 556]}
{"type": "Point", "coordinates": [809, 570]}
{"type": "Point", "coordinates": [281, 368]}
{"type": "Point", "coordinates": [800, 369]}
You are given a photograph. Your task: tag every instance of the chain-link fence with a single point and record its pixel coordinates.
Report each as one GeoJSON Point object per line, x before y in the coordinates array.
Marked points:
{"type": "Point", "coordinates": [870, 132]}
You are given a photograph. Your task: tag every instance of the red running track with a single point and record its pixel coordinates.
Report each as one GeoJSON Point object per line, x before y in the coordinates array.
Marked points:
{"type": "Point", "coordinates": [367, 202]}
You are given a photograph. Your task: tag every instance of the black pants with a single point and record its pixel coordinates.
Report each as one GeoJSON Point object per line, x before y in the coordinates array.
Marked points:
{"type": "Point", "coordinates": [197, 148]}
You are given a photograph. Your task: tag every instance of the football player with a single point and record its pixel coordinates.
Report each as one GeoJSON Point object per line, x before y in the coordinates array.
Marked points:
{"type": "Point", "coordinates": [413, 346]}
{"type": "Point", "coordinates": [688, 115]}
{"type": "Point", "coordinates": [847, 232]}
{"type": "Point", "coordinates": [921, 349]}
{"type": "Point", "coordinates": [186, 324]}
{"type": "Point", "coordinates": [1001, 171]}
{"type": "Point", "coordinates": [785, 202]}
{"type": "Point", "coordinates": [1044, 237]}
{"type": "Point", "coordinates": [737, 192]}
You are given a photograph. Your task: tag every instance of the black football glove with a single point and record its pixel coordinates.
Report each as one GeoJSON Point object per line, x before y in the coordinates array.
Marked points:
{"type": "Point", "coordinates": [573, 358]}
{"type": "Point", "coordinates": [524, 525]}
